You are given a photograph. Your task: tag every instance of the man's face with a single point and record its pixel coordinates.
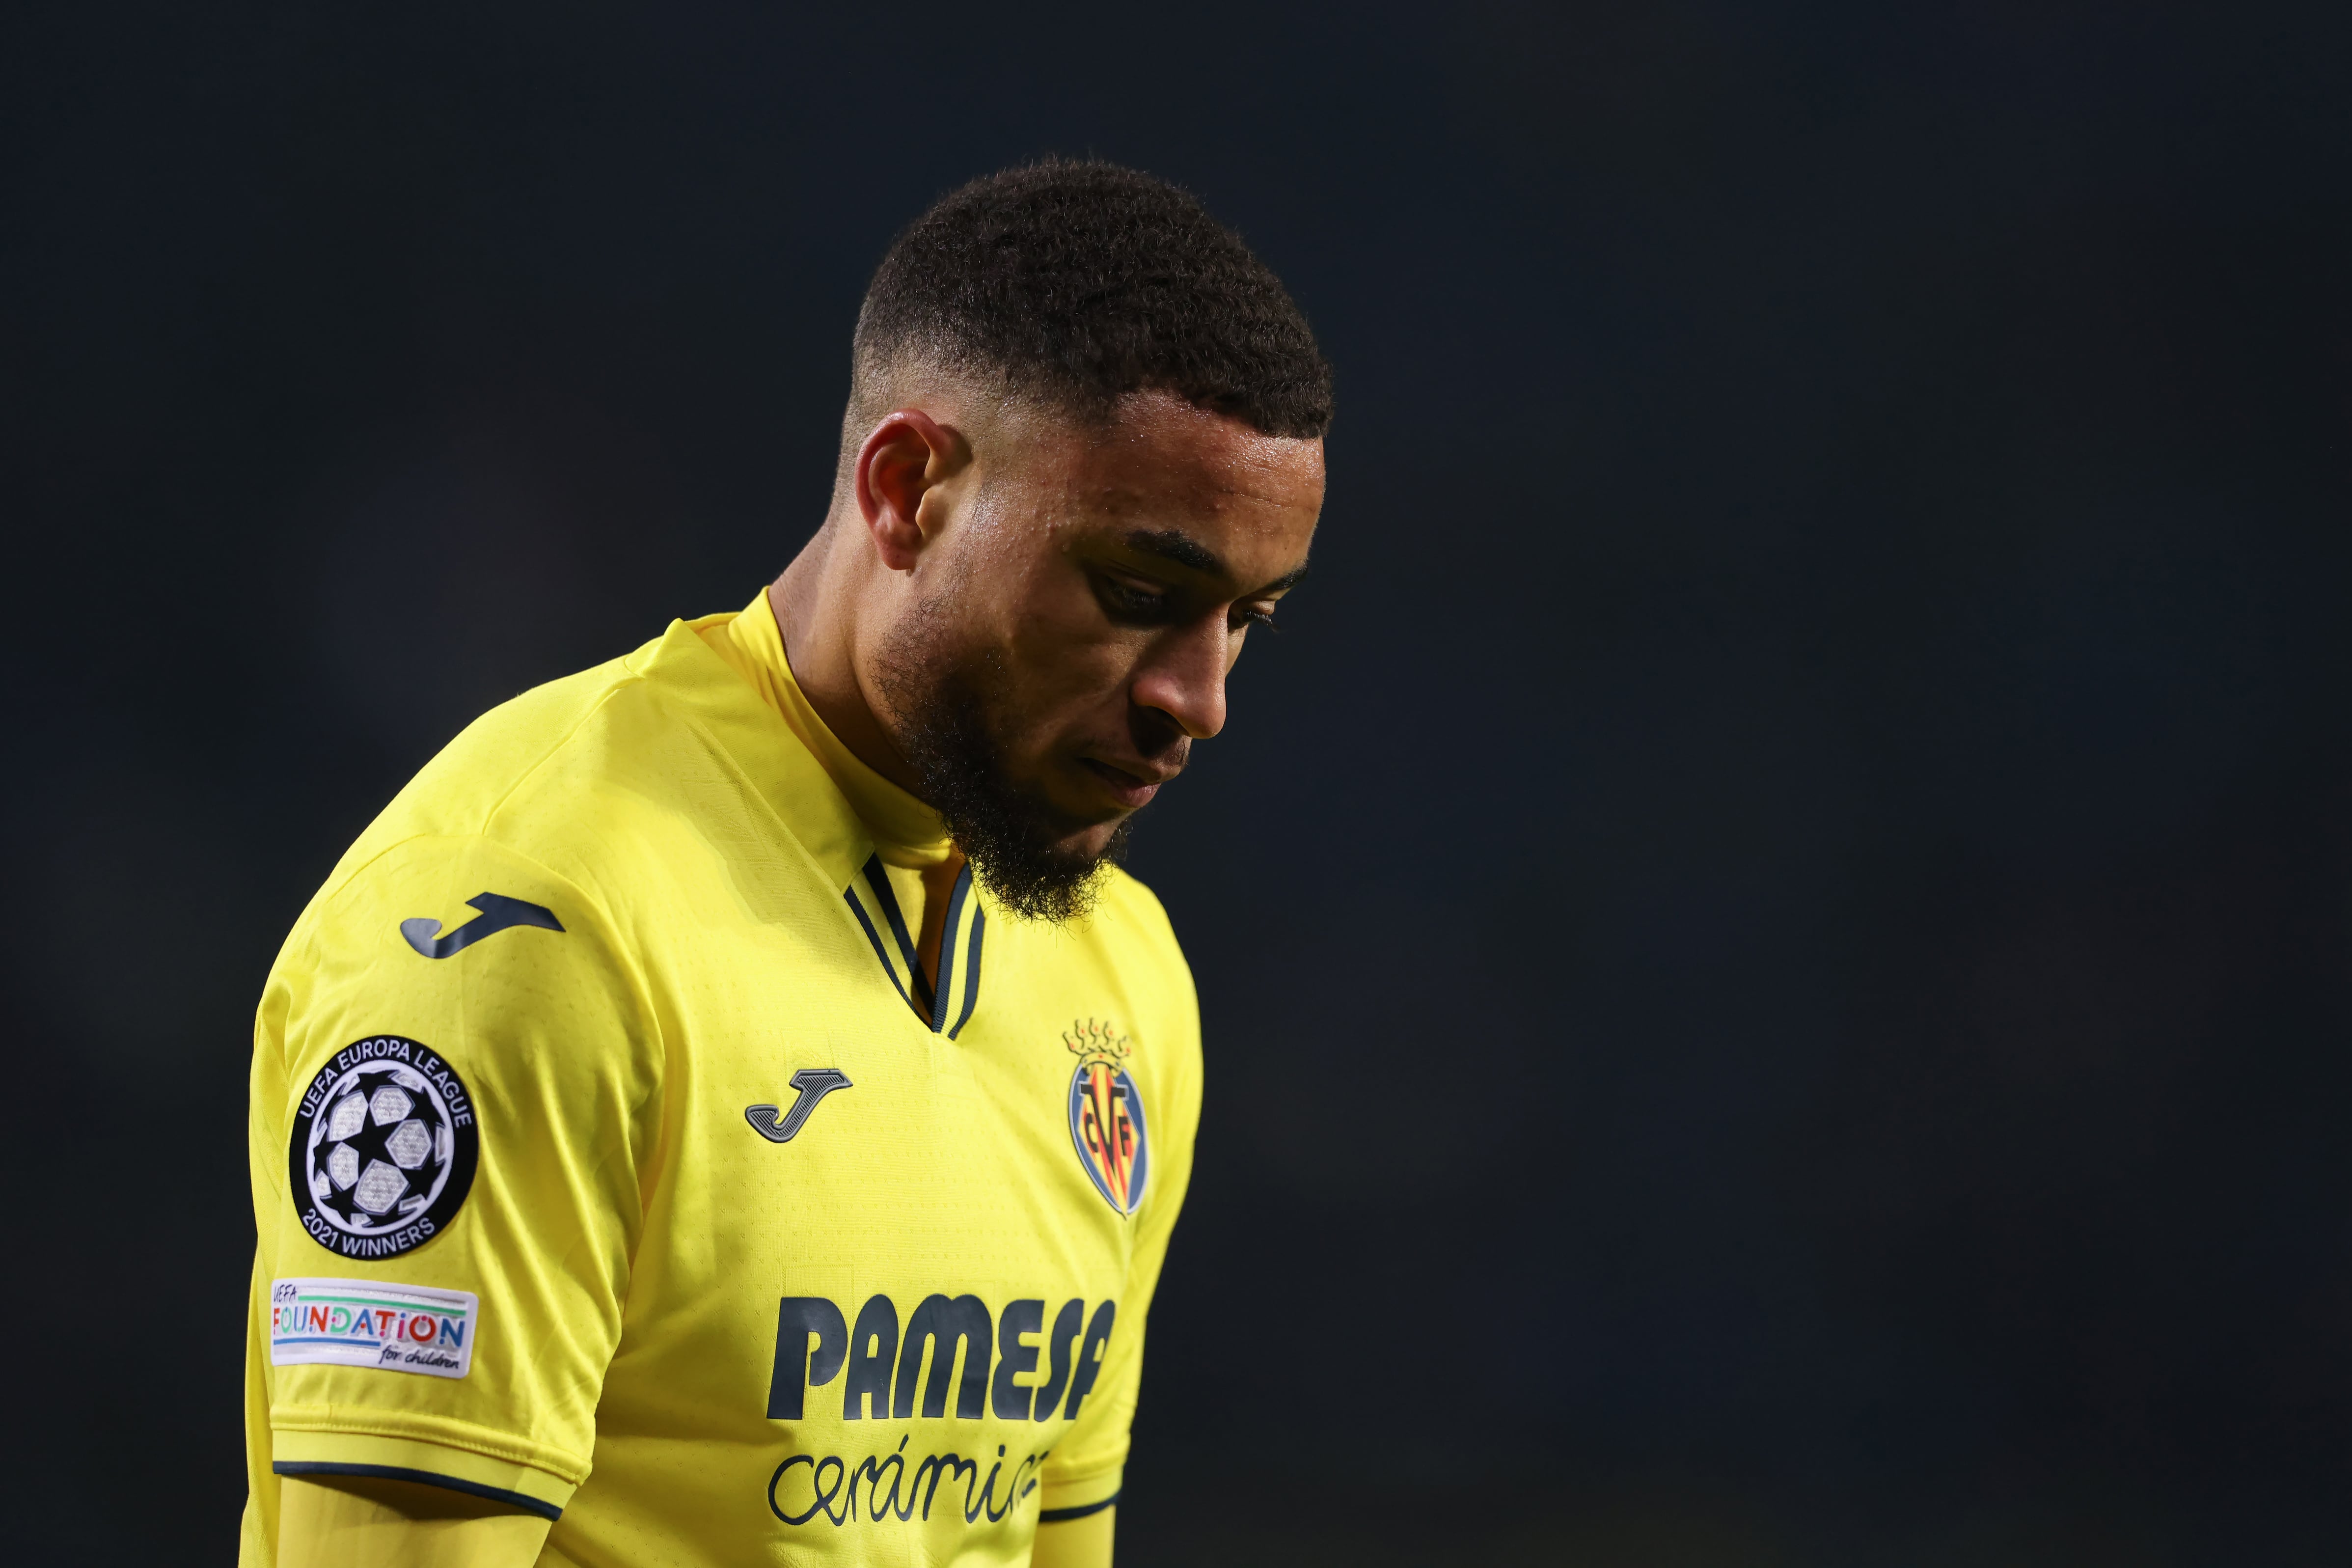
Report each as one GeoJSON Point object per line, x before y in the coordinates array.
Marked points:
{"type": "Point", "coordinates": [1082, 611]}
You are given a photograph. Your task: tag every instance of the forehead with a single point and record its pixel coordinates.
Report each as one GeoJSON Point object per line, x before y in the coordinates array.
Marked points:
{"type": "Point", "coordinates": [1165, 462]}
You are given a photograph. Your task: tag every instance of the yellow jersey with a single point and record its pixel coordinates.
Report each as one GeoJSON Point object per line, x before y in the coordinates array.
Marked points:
{"type": "Point", "coordinates": [613, 1156]}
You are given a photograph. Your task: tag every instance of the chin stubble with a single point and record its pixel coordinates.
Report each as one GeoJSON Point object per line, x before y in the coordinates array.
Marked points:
{"type": "Point", "coordinates": [1010, 833]}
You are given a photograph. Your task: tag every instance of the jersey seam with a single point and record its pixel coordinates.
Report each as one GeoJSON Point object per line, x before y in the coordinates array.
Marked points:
{"type": "Point", "coordinates": [624, 959]}
{"type": "Point", "coordinates": [752, 788]}
{"type": "Point", "coordinates": [1076, 1510]}
{"type": "Point", "coordinates": [661, 1151]}
{"type": "Point", "coordinates": [640, 993]}
{"type": "Point", "coordinates": [729, 760]}
{"type": "Point", "coordinates": [335, 890]}
{"type": "Point", "coordinates": [301, 1469]}
{"type": "Point", "coordinates": [1052, 1482]}
{"type": "Point", "coordinates": [489, 1445]}
{"type": "Point", "coordinates": [524, 776]}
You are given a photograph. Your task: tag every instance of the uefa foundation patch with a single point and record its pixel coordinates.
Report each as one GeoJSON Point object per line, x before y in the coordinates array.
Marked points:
{"type": "Point", "coordinates": [366, 1323]}
{"type": "Point", "coordinates": [383, 1148]}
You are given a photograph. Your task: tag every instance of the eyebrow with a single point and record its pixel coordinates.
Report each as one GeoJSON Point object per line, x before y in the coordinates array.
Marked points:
{"type": "Point", "coordinates": [1169, 544]}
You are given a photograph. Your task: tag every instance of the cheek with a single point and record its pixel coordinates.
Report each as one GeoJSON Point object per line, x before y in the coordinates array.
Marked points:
{"type": "Point", "coordinates": [1055, 630]}
{"type": "Point", "coordinates": [1065, 663]}
{"type": "Point", "coordinates": [1061, 667]}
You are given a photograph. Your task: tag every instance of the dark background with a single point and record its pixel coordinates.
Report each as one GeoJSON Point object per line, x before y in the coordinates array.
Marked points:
{"type": "Point", "coordinates": [1776, 929]}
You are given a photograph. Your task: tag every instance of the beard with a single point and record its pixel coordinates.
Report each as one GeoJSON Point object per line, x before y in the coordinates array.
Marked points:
{"type": "Point", "coordinates": [950, 730]}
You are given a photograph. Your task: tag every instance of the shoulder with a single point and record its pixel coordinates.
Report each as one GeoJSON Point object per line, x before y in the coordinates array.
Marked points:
{"type": "Point", "coordinates": [1132, 915]}
{"type": "Point", "coordinates": [568, 775]}
{"type": "Point", "coordinates": [560, 739]}
{"type": "Point", "coordinates": [513, 810]}
{"type": "Point", "coordinates": [1141, 948]}
{"type": "Point", "coordinates": [1132, 925]}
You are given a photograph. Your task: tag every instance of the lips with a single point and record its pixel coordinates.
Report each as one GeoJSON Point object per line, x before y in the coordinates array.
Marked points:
{"type": "Point", "coordinates": [1130, 788]}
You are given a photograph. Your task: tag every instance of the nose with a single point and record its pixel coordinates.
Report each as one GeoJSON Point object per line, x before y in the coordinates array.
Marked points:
{"type": "Point", "coordinates": [1183, 675]}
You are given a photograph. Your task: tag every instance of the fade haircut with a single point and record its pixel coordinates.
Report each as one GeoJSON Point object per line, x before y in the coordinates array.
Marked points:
{"type": "Point", "coordinates": [1070, 285]}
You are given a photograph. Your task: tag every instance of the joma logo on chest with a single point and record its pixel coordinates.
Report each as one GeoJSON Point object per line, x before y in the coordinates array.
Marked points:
{"type": "Point", "coordinates": [814, 1084]}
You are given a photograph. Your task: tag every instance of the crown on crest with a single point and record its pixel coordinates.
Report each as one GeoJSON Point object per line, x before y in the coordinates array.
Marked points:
{"type": "Point", "coordinates": [1094, 1043]}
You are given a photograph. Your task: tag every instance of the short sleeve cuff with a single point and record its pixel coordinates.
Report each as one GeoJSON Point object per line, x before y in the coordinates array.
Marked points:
{"type": "Point", "coordinates": [329, 1454]}
{"type": "Point", "coordinates": [1077, 1495]}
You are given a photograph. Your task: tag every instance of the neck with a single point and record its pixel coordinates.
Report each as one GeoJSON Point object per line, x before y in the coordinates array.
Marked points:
{"type": "Point", "coordinates": [816, 601]}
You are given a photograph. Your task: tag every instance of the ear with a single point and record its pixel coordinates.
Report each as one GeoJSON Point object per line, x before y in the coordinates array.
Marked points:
{"type": "Point", "coordinates": [907, 456]}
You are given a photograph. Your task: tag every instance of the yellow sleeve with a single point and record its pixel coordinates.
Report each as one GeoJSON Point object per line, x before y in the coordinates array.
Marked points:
{"type": "Point", "coordinates": [1081, 1542]}
{"type": "Point", "coordinates": [1084, 1473]}
{"type": "Point", "coordinates": [360, 1523]}
{"type": "Point", "coordinates": [455, 1088]}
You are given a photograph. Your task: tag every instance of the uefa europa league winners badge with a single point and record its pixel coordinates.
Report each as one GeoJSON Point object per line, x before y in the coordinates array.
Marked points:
{"type": "Point", "coordinates": [383, 1148]}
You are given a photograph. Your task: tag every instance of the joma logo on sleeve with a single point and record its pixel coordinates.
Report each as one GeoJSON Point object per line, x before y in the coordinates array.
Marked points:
{"type": "Point", "coordinates": [498, 913]}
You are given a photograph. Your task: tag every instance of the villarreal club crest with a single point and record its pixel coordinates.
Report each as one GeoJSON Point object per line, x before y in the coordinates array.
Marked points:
{"type": "Point", "coordinates": [1107, 1115]}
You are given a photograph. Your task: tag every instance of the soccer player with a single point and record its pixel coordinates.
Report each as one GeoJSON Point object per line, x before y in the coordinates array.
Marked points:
{"type": "Point", "coordinates": [730, 1108]}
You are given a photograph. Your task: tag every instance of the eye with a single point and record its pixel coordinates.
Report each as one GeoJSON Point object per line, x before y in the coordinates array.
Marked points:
{"type": "Point", "coordinates": [1130, 602]}
{"type": "Point", "coordinates": [1250, 615]}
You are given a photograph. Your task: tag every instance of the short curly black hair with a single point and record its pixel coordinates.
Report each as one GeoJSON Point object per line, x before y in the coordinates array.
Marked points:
{"type": "Point", "coordinates": [1076, 283]}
